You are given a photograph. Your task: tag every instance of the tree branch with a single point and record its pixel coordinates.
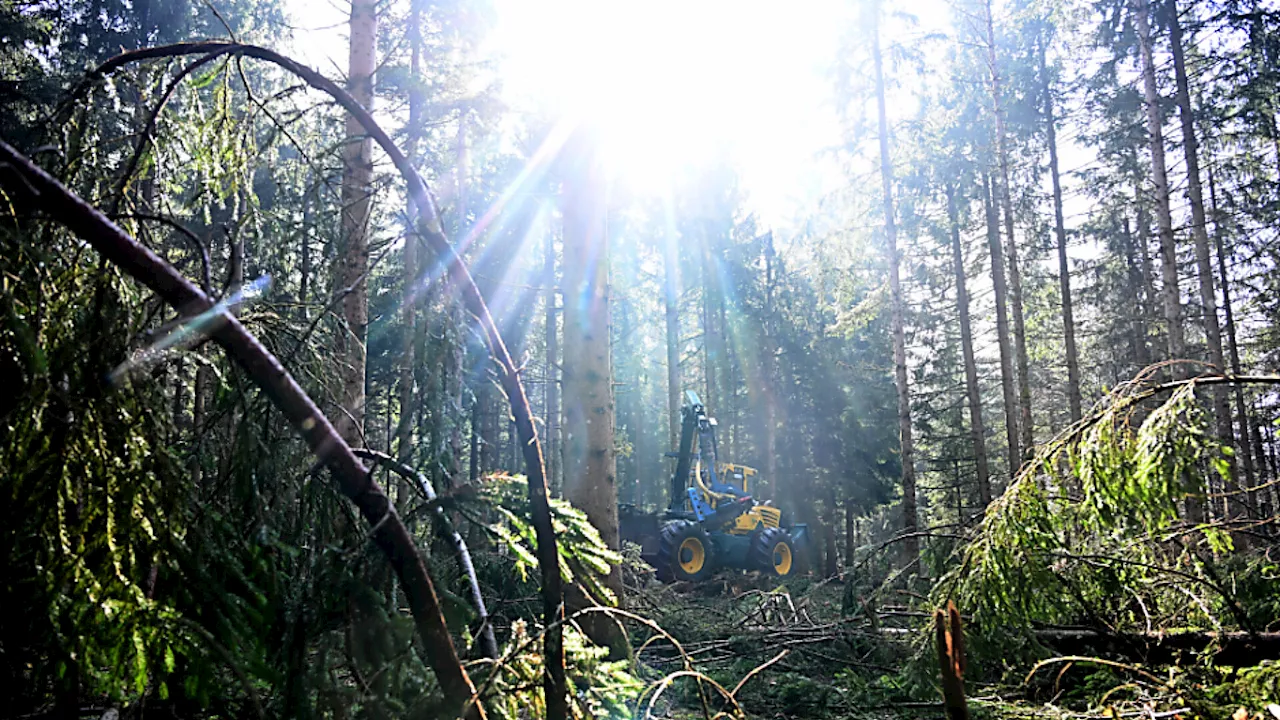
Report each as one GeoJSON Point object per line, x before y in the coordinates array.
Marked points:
{"type": "Point", "coordinates": [487, 641]}
{"type": "Point", "coordinates": [427, 222]}
{"type": "Point", "coordinates": [32, 187]}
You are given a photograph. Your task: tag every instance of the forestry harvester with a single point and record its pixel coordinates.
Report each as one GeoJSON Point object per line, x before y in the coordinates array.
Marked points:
{"type": "Point", "coordinates": [712, 521]}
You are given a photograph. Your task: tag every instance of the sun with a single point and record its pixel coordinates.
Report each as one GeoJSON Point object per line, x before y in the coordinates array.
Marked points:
{"type": "Point", "coordinates": [670, 84]}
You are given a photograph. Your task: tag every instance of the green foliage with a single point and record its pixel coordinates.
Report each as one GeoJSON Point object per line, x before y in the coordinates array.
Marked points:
{"type": "Point", "coordinates": [1094, 518]}
{"type": "Point", "coordinates": [513, 685]}
{"type": "Point", "coordinates": [94, 500]}
{"type": "Point", "coordinates": [585, 558]}
{"type": "Point", "coordinates": [1251, 687]}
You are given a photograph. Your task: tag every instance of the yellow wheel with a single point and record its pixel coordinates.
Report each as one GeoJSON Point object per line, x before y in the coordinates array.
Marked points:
{"type": "Point", "coordinates": [685, 553]}
{"type": "Point", "coordinates": [782, 558]}
{"type": "Point", "coordinates": [773, 553]}
{"type": "Point", "coordinates": [692, 556]}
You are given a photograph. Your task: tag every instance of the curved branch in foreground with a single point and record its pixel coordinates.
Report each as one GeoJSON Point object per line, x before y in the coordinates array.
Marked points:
{"type": "Point", "coordinates": [429, 227]}
{"type": "Point", "coordinates": [22, 181]}
{"type": "Point", "coordinates": [488, 644]}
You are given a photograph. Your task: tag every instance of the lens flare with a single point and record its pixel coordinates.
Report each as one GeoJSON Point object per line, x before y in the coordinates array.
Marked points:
{"type": "Point", "coordinates": [189, 331]}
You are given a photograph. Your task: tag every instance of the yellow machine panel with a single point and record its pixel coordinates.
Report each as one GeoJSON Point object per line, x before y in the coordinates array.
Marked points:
{"type": "Point", "coordinates": [760, 515]}
{"type": "Point", "coordinates": [736, 475]}
{"type": "Point", "coordinates": [769, 515]}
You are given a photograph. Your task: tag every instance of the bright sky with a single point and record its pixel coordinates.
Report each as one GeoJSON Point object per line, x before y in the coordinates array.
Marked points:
{"type": "Point", "coordinates": [673, 82]}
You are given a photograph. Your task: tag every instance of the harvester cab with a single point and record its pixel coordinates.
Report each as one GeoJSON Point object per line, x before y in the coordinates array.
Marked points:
{"type": "Point", "coordinates": [712, 519]}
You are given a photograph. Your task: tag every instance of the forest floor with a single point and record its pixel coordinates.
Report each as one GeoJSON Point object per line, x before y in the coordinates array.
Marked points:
{"type": "Point", "coordinates": [799, 650]}
{"type": "Point", "coordinates": [816, 662]}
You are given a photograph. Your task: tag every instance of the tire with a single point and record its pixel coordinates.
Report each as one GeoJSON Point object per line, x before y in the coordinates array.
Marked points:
{"type": "Point", "coordinates": [685, 553]}
{"type": "Point", "coordinates": [774, 553]}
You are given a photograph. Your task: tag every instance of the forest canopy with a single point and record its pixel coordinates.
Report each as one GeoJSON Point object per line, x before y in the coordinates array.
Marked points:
{"type": "Point", "coordinates": [481, 358]}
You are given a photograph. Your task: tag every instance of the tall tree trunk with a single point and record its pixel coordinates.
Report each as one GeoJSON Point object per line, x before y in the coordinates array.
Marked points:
{"type": "Point", "coordinates": [911, 546]}
{"type": "Point", "coordinates": [832, 567]}
{"type": "Point", "coordinates": [1064, 269]}
{"type": "Point", "coordinates": [770, 375]}
{"type": "Point", "coordinates": [490, 428]}
{"type": "Point", "coordinates": [711, 344]}
{"type": "Point", "coordinates": [1200, 233]}
{"type": "Point", "coordinates": [304, 283]}
{"type": "Point", "coordinates": [1138, 322]}
{"type": "Point", "coordinates": [552, 443]}
{"type": "Point", "coordinates": [455, 319]}
{"type": "Point", "coordinates": [728, 386]}
{"type": "Point", "coordinates": [976, 427]}
{"type": "Point", "coordinates": [850, 537]}
{"type": "Point", "coordinates": [1011, 247]}
{"type": "Point", "coordinates": [473, 470]}
{"type": "Point", "coordinates": [1160, 177]}
{"type": "Point", "coordinates": [671, 301]}
{"type": "Point", "coordinates": [590, 473]}
{"type": "Point", "coordinates": [1002, 326]}
{"type": "Point", "coordinates": [1274, 489]}
{"type": "Point", "coordinates": [409, 278]}
{"type": "Point", "coordinates": [1242, 444]}
{"type": "Point", "coordinates": [1164, 218]}
{"type": "Point", "coordinates": [353, 251]}
{"type": "Point", "coordinates": [1144, 253]}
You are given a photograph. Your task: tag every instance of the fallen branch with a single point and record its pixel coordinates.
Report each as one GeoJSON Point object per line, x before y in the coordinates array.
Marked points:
{"type": "Point", "coordinates": [1097, 661]}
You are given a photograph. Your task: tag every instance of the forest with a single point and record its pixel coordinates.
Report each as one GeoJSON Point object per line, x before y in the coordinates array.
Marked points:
{"type": "Point", "coordinates": [705, 359]}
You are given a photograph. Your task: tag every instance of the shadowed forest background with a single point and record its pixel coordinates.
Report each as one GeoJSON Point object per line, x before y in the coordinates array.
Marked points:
{"type": "Point", "coordinates": [324, 387]}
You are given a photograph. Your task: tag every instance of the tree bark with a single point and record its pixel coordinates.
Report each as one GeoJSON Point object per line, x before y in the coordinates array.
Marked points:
{"type": "Point", "coordinates": [832, 566]}
{"type": "Point", "coordinates": [1011, 249]}
{"type": "Point", "coordinates": [850, 539]}
{"type": "Point", "coordinates": [353, 250]}
{"type": "Point", "coordinates": [1064, 268]}
{"type": "Point", "coordinates": [977, 429]}
{"type": "Point", "coordinates": [728, 386]}
{"type": "Point", "coordinates": [590, 473]}
{"type": "Point", "coordinates": [1164, 218]}
{"type": "Point", "coordinates": [473, 469]}
{"type": "Point", "coordinates": [910, 546]}
{"type": "Point", "coordinates": [1002, 327]}
{"type": "Point", "coordinates": [304, 284]}
{"type": "Point", "coordinates": [455, 356]}
{"type": "Point", "coordinates": [1200, 234]}
{"type": "Point", "coordinates": [949, 642]}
